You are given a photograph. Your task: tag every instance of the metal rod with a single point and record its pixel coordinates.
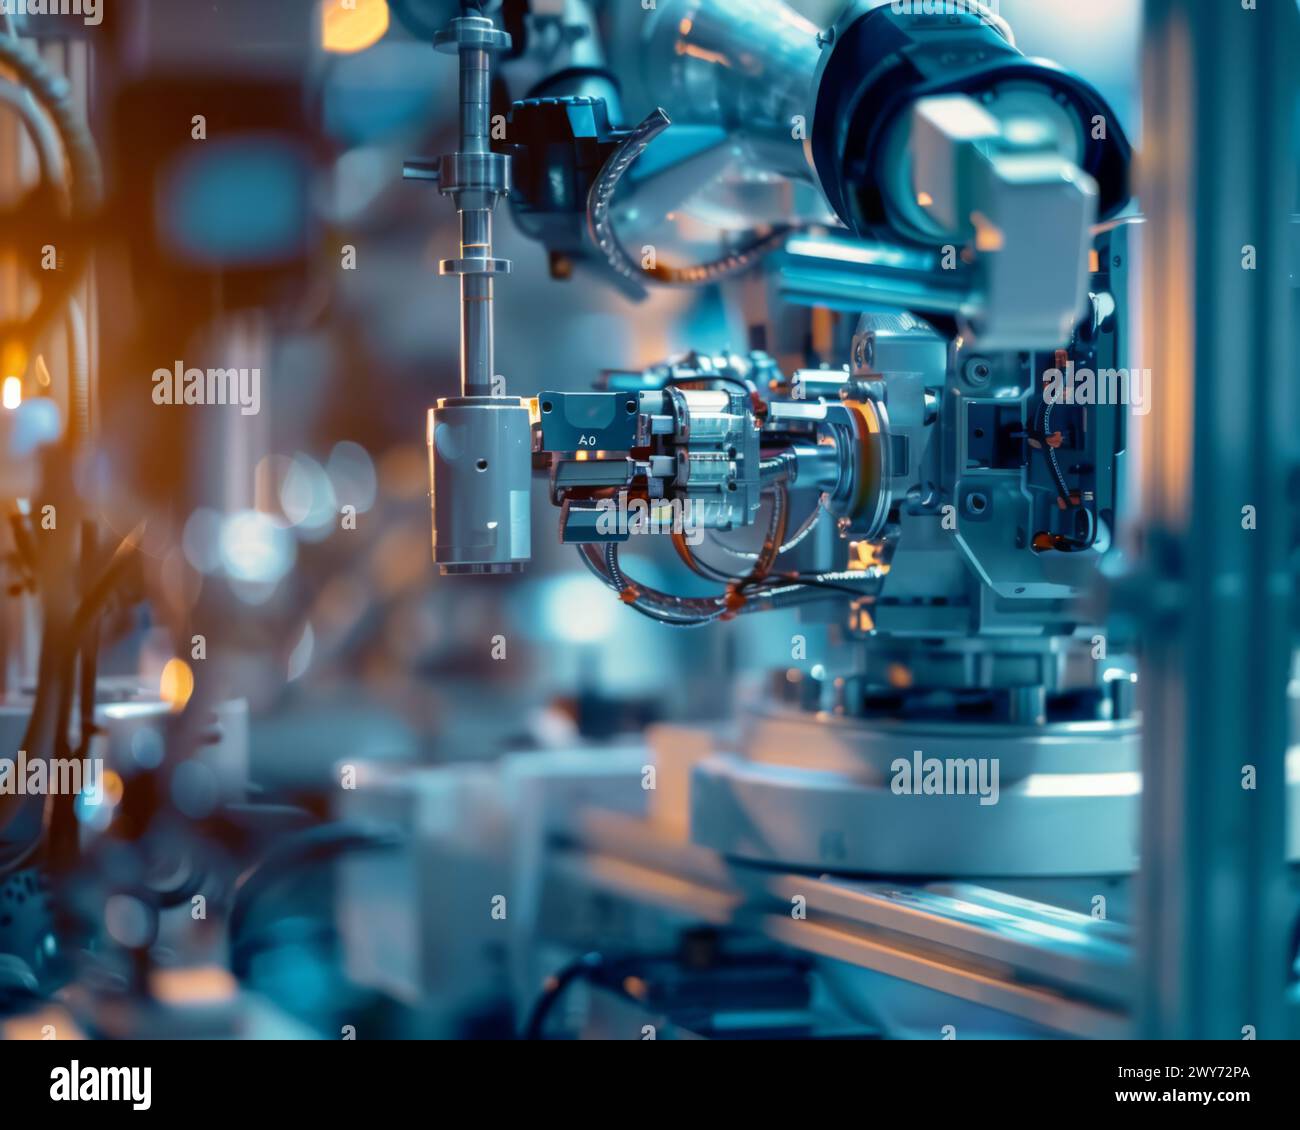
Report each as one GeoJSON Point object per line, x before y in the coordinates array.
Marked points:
{"type": "Point", "coordinates": [475, 178]}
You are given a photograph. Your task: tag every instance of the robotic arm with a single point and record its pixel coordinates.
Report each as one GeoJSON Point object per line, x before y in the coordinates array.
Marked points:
{"type": "Point", "coordinates": [965, 182]}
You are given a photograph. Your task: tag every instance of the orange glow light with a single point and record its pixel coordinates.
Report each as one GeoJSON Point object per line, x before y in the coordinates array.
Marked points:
{"type": "Point", "coordinates": [176, 684]}
{"type": "Point", "coordinates": [352, 26]}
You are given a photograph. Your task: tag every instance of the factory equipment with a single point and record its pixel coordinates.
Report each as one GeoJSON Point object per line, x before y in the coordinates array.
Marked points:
{"type": "Point", "coordinates": [951, 483]}
{"type": "Point", "coordinates": [946, 487]}
{"type": "Point", "coordinates": [858, 316]}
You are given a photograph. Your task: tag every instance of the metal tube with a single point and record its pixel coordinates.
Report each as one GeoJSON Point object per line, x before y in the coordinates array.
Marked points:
{"type": "Point", "coordinates": [477, 344]}
{"type": "Point", "coordinates": [477, 322]}
{"type": "Point", "coordinates": [475, 96]}
{"type": "Point", "coordinates": [475, 178]}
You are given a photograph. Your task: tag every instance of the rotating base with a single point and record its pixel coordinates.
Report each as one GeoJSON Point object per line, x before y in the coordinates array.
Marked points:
{"type": "Point", "coordinates": [830, 794]}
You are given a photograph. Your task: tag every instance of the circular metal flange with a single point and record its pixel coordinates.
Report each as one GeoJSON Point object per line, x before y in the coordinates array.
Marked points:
{"type": "Point", "coordinates": [820, 794]}
{"type": "Point", "coordinates": [474, 172]}
{"type": "Point", "coordinates": [861, 497]}
{"type": "Point", "coordinates": [471, 31]}
{"type": "Point", "coordinates": [474, 267]}
{"type": "Point", "coordinates": [864, 749]}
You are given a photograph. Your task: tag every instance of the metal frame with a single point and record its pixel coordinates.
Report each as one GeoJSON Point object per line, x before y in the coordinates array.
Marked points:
{"type": "Point", "coordinates": [1217, 598]}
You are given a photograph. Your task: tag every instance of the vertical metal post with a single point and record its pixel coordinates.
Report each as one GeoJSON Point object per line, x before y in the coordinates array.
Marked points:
{"type": "Point", "coordinates": [1215, 185]}
{"type": "Point", "coordinates": [480, 442]}
{"type": "Point", "coordinates": [475, 178]}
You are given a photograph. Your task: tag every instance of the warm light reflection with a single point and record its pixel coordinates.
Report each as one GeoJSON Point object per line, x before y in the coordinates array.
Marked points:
{"type": "Point", "coordinates": [349, 26]}
{"type": "Point", "coordinates": [988, 236]}
{"type": "Point", "coordinates": [207, 984]}
{"type": "Point", "coordinates": [176, 684]}
{"type": "Point", "coordinates": [114, 788]}
{"type": "Point", "coordinates": [865, 556]}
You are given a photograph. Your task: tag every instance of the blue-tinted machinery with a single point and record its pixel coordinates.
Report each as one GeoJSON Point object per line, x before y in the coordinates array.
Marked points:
{"type": "Point", "coordinates": [924, 442]}
{"type": "Point", "coordinates": [938, 831]}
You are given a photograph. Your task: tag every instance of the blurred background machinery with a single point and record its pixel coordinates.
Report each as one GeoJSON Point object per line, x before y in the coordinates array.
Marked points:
{"type": "Point", "coordinates": [862, 494]}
